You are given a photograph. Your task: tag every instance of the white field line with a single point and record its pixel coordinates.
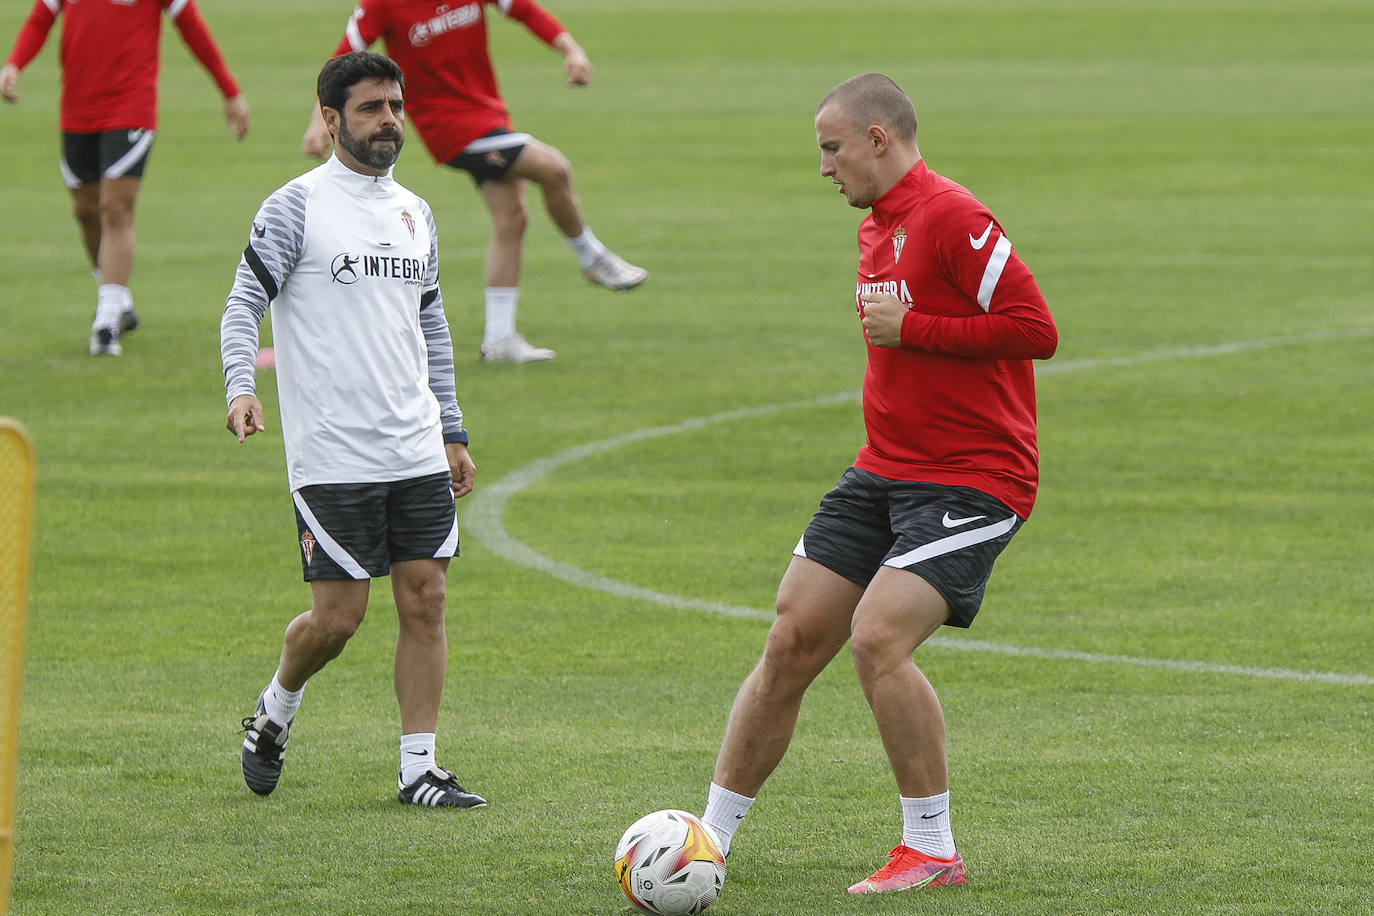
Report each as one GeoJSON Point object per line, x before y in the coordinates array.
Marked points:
{"type": "Point", "coordinates": [486, 507]}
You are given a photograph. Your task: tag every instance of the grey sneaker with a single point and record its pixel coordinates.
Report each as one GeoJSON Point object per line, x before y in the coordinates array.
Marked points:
{"type": "Point", "coordinates": [614, 272]}
{"type": "Point", "coordinates": [438, 790]}
{"type": "Point", "coordinates": [264, 748]}
{"type": "Point", "coordinates": [514, 348]}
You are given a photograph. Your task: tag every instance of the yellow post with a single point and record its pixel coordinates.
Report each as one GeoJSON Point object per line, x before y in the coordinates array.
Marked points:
{"type": "Point", "coordinates": [17, 475]}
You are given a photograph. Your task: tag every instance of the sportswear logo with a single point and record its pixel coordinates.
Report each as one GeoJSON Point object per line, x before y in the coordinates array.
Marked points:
{"type": "Point", "coordinates": [739, 817]}
{"type": "Point", "coordinates": [342, 269]}
{"type": "Point", "coordinates": [424, 753]}
{"type": "Point", "coordinates": [956, 522]}
{"type": "Point", "coordinates": [982, 240]}
{"type": "Point", "coordinates": [259, 229]}
{"type": "Point", "coordinates": [928, 817]}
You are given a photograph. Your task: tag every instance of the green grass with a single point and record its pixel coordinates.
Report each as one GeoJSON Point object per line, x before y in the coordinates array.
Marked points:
{"type": "Point", "coordinates": [1179, 175]}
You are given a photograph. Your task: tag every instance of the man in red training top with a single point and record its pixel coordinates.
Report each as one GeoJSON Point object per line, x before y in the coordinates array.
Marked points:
{"type": "Point", "coordinates": [109, 58]}
{"type": "Point", "coordinates": [906, 540]}
{"type": "Point", "coordinates": [453, 101]}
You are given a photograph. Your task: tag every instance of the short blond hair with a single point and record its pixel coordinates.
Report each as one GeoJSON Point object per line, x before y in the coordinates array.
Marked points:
{"type": "Point", "coordinates": [871, 98]}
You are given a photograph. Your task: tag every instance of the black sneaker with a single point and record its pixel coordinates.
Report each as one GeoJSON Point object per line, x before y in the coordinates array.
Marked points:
{"type": "Point", "coordinates": [438, 790]}
{"type": "Point", "coordinates": [264, 747]}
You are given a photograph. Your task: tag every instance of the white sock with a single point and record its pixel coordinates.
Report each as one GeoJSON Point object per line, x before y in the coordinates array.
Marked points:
{"type": "Point", "coordinates": [281, 704]}
{"type": "Point", "coordinates": [112, 300]}
{"type": "Point", "coordinates": [500, 303]}
{"type": "Point", "coordinates": [925, 825]}
{"type": "Point", "coordinates": [587, 247]}
{"type": "Point", "coordinates": [725, 810]}
{"type": "Point", "coordinates": [417, 756]}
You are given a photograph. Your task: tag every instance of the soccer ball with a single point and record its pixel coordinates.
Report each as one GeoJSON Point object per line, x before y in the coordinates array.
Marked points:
{"type": "Point", "coordinates": [667, 863]}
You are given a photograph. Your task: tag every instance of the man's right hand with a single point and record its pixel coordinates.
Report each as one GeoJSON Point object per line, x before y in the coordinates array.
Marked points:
{"type": "Point", "coordinates": [9, 79]}
{"type": "Point", "coordinates": [245, 416]}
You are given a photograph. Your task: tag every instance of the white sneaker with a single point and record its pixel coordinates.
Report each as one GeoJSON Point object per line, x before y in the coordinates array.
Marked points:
{"type": "Point", "coordinates": [514, 348]}
{"type": "Point", "coordinates": [614, 272]}
{"type": "Point", "coordinates": [105, 342]}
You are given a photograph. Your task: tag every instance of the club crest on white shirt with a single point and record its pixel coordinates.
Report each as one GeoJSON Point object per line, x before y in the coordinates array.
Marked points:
{"type": "Point", "coordinates": [409, 221]}
{"type": "Point", "coordinates": [898, 240]}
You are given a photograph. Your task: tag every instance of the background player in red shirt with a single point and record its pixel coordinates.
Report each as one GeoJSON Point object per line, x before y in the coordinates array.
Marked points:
{"type": "Point", "coordinates": [453, 101]}
{"type": "Point", "coordinates": [906, 540]}
{"type": "Point", "coordinates": [109, 58]}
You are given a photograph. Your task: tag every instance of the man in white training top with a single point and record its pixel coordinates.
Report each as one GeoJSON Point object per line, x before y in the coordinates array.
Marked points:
{"type": "Point", "coordinates": [376, 452]}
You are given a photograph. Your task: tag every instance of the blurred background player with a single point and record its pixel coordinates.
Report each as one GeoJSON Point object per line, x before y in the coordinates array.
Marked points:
{"type": "Point", "coordinates": [109, 60]}
{"type": "Point", "coordinates": [906, 540]}
{"type": "Point", "coordinates": [454, 102]}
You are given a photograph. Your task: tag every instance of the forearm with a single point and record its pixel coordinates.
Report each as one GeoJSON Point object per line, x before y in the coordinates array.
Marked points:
{"type": "Point", "coordinates": [439, 346]}
{"type": "Point", "coordinates": [1016, 332]}
{"type": "Point", "coordinates": [196, 34]}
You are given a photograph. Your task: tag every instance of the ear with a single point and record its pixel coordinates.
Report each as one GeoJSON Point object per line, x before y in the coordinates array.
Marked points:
{"type": "Point", "coordinates": [878, 138]}
{"type": "Point", "coordinates": [331, 119]}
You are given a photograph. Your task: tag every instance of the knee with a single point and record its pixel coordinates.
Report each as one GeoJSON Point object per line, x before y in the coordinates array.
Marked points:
{"type": "Point", "coordinates": [791, 653]}
{"type": "Point", "coordinates": [424, 606]}
{"type": "Point", "coordinates": [86, 212]}
{"type": "Point", "coordinates": [510, 221]}
{"type": "Point", "coordinates": [875, 652]}
{"type": "Point", "coordinates": [116, 212]}
{"type": "Point", "coordinates": [557, 174]}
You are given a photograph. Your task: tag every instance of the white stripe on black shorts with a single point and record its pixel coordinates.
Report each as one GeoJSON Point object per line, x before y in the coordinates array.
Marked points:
{"type": "Point", "coordinates": [357, 530]}
{"type": "Point", "coordinates": [949, 536]}
{"type": "Point", "coordinates": [87, 158]}
{"type": "Point", "coordinates": [491, 155]}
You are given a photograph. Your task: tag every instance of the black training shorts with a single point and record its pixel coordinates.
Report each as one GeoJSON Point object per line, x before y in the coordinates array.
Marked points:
{"type": "Point", "coordinates": [357, 530]}
{"type": "Point", "coordinates": [949, 536]}
{"type": "Point", "coordinates": [491, 155]}
{"type": "Point", "coordinates": [87, 158]}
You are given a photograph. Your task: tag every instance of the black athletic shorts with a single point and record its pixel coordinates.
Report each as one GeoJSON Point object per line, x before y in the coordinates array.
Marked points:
{"type": "Point", "coordinates": [948, 536]}
{"type": "Point", "coordinates": [109, 154]}
{"type": "Point", "coordinates": [491, 155]}
{"type": "Point", "coordinates": [357, 530]}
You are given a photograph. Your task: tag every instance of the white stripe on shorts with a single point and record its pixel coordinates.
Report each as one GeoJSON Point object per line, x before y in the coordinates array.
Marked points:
{"type": "Point", "coordinates": [497, 141]}
{"type": "Point", "coordinates": [331, 547]}
{"type": "Point", "coordinates": [450, 544]}
{"type": "Point", "coordinates": [130, 159]}
{"type": "Point", "coordinates": [68, 176]}
{"type": "Point", "coordinates": [952, 543]}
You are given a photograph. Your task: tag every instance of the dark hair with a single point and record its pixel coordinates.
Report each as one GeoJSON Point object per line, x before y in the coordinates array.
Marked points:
{"type": "Point", "coordinates": [342, 73]}
{"type": "Point", "coordinates": [871, 98]}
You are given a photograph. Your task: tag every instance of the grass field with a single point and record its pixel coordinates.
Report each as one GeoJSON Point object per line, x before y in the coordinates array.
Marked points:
{"type": "Point", "coordinates": [1165, 705]}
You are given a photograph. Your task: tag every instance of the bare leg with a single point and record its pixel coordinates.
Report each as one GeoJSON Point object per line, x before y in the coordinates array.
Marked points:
{"type": "Point", "coordinates": [505, 200]}
{"type": "Point", "coordinates": [814, 610]}
{"type": "Point", "coordinates": [86, 210]}
{"type": "Point", "coordinates": [899, 611]}
{"type": "Point", "coordinates": [549, 168]}
{"type": "Point", "coordinates": [421, 644]}
{"type": "Point", "coordinates": [317, 637]}
{"type": "Point", "coordinates": [118, 197]}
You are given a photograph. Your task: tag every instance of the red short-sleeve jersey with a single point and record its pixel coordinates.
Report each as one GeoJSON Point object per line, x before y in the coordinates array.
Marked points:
{"type": "Point", "coordinates": [109, 57]}
{"type": "Point", "coordinates": [955, 403]}
{"type": "Point", "coordinates": [451, 92]}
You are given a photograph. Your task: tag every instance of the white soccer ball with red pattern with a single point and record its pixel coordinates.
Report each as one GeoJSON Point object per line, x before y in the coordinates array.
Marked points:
{"type": "Point", "coordinates": [668, 864]}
